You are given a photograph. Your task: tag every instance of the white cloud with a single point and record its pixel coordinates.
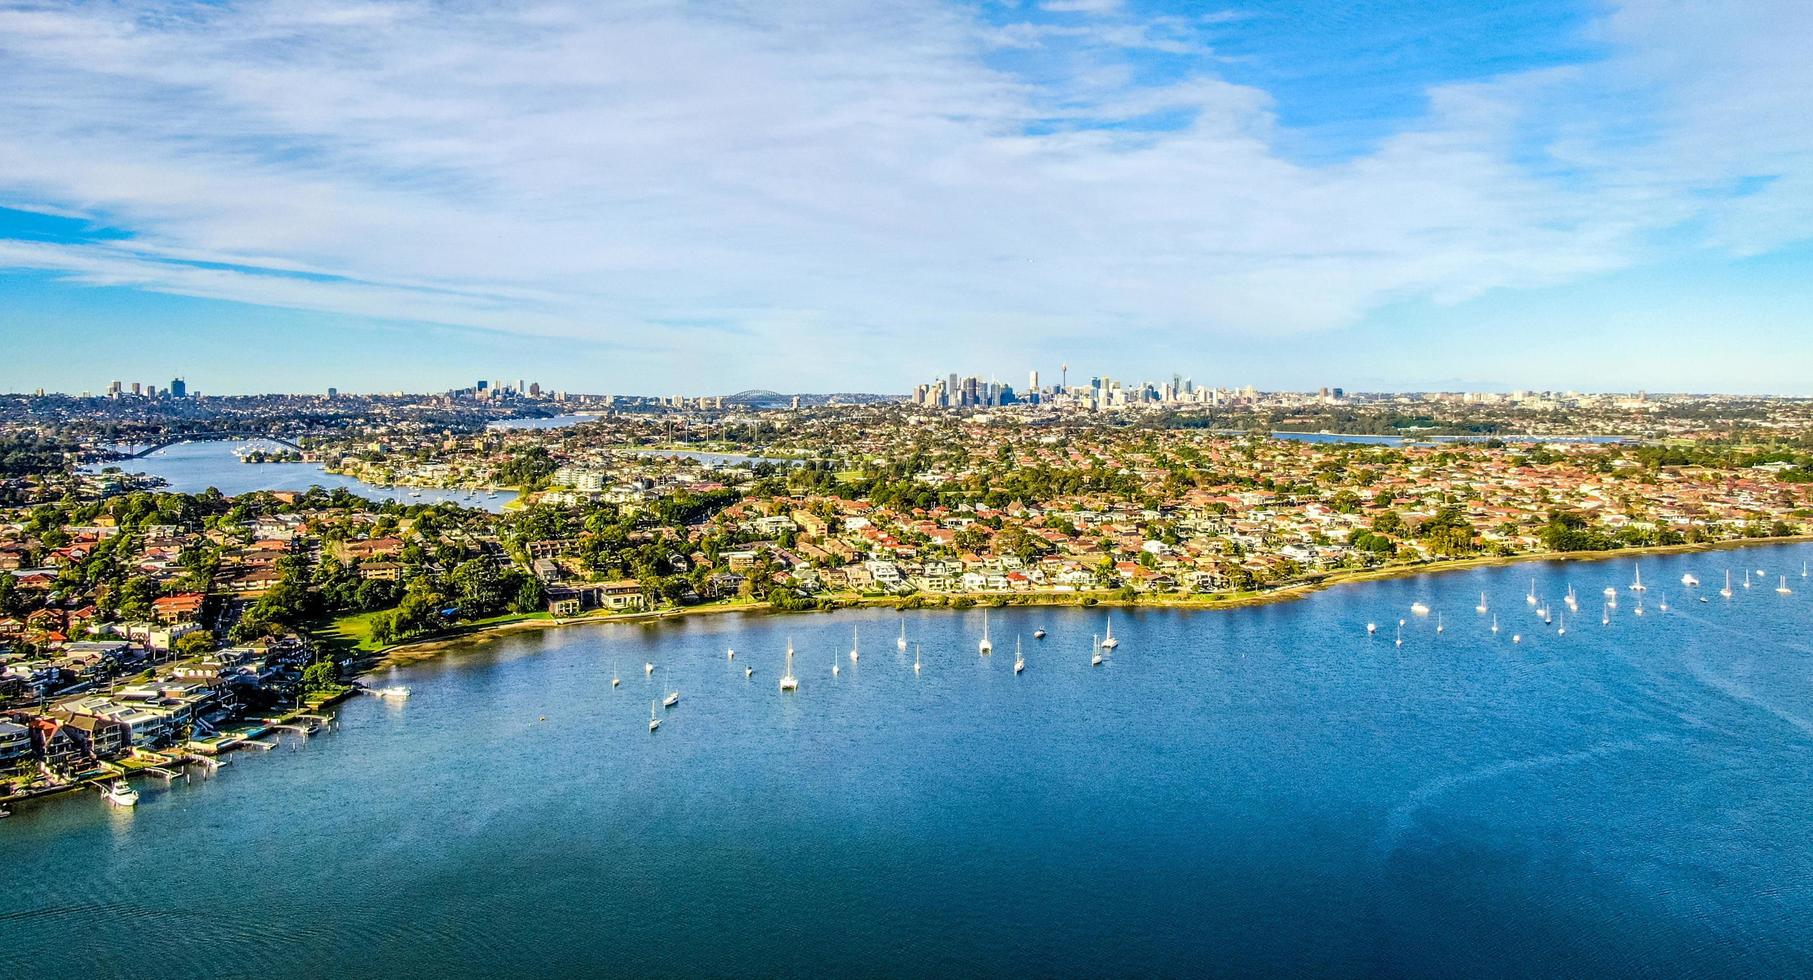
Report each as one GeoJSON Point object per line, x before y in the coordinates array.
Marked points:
{"type": "Point", "coordinates": [837, 176]}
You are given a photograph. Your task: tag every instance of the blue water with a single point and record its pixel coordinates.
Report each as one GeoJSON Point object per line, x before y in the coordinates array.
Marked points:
{"type": "Point", "coordinates": [192, 467]}
{"type": "Point", "coordinates": [1238, 792]}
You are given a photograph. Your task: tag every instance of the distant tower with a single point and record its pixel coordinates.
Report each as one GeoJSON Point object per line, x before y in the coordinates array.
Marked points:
{"type": "Point", "coordinates": [178, 388]}
{"type": "Point", "coordinates": [1063, 375]}
{"type": "Point", "coordinates": [1032, 381]}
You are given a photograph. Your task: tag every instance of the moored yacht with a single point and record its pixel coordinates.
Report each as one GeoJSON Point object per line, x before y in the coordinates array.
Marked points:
{"type": "Point", "coordinates": [987, 645]}
{"type": "Point", "coordinates": [120, 793]}
{"type": "Point", "coordinates": [1481, 608]}
{"type": "Point", "coordinates": [654, 720]}
{"type": "Point", "coordinates": [673, 698]}
{"type": "Point", "coordinates": [1783, 588]}
{"type": "Point", "coordinates": [1726, 591]}
{"type": "Point", "coordinates": [1689, 581]}
{"type": "Point", "coordinates": [788, 681]}
{"type": "Point", "coordinates": [1419, 609]}
{"type": "Point", "coordinates": [855, 653]}
{"type": "Point", "coordinates": [1108, 641]}
{"type": "Point", "coordinates": [900, 644]}
{"type": "Point", "coordinates": [1019, 658]}
{"type": "Point", "coordinates": [1637, 584]}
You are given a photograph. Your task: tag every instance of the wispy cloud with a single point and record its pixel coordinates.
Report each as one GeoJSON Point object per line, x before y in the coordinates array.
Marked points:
{"type": "Point", "coordinates": [839, 175]}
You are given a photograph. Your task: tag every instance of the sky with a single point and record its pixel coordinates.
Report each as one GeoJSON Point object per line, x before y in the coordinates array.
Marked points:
{"type": "Point", "coordinates": [818, 195]}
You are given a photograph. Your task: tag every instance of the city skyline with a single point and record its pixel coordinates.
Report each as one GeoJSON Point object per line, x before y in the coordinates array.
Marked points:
{"type": "Point", "coordinates": [1409, 197]}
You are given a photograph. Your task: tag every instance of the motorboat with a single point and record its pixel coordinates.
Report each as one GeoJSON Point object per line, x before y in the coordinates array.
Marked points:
{"type": "Point", "coordinates": [120, 793]}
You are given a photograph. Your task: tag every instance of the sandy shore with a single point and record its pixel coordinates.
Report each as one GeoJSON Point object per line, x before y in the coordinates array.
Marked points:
{"type": "Point", "coordinates": [416, 651]}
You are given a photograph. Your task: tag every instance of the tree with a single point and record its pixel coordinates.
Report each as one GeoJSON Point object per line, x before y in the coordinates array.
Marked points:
{"type": "Point", "coordinates": [194, 643]}
{"type": "Point", "coordinates": [322, 675]}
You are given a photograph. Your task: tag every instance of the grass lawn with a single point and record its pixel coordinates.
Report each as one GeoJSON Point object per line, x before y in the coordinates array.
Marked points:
{"type": "Point", "coordinates": [350, 635]}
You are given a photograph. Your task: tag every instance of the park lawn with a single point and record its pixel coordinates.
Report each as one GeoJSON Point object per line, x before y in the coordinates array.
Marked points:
{"type": "Point", "coordinates": [352, 633]}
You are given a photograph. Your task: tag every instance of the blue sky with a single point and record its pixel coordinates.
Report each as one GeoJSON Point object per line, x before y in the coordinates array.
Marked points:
{"type": "Point", "coordinates": [828, 195]}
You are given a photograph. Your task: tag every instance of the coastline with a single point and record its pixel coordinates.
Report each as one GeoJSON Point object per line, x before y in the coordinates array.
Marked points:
{"type": "Point", "coordinates": [429, 647]}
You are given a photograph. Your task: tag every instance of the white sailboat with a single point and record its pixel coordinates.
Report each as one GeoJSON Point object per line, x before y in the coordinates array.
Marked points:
{"type": "Point", "coordinates": [647, 669]}
{"type": "Point", "coordinates": [654, 720]}
{"type": "Point", "coordinates": [1095, 657]}
{"type": "Point", "coordinates": [1019, 658]}
{"type": "Point", "coordinates": [1371, 628]}
{"type": "Point", "coordinates": [1561, 630]}
{"type": "Point", "coordinates": [1610, 593]}
{"type": "Point", "coordinates": [1726, 591]}
{"type": "Point", "coordinates": [915, 658]}
{"type": "Point", "coordinates": [1662, 606]}
{"type": "Point", "coordinates": [1746, 578]}
{"type": "Point", "coordinates": [987, 646]}
{"type": "Point", "coordinates": [1573, 601]}
{"type": "Point", "coordinates": [1530, 600]}
{"type": "Point", "coordinates": [1637, 585]}
{"type": "Point", "coordinates": [788, 681]}
{"type": "Point", "coordinates": [1803, 569]}
{"type": "Point", "coordinates": [730, 654]}
{"type": "Point", "coordinates": [901, 643]}
{"type": "Point", "coordinates": [1109, 642]}
{"type": "Point", "coordinates": [616, 682]}
{"type": "Point", "coordinates": [1783, 588]}
{"type": "Point", "coordinates": [673, 698]}
{"type": "Point", "coordinates": [1438, 624]}
{"type": "Point", "coordinates": [855, 654]}
{"type": "Point", "coordinates": [1481, 608]}
{"type": "Point", "coordinates": [1495, 623]}
{"type": "Point", "coordinates": [1605, 615]}
{"type": "Point", "coordinates": [1400, 633]}
{"type": "Point", "coordinates": [1639, 610]}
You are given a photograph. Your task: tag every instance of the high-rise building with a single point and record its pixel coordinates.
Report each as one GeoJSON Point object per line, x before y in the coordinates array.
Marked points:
{"type": "Point", "coordinates": [137, 388]}
{"type": "Point", "coordinates": [333, 392]}
{"type": "Point", "coordinates": [179, 388]}
{"type": "Point", "coordinates": [1032, 381]}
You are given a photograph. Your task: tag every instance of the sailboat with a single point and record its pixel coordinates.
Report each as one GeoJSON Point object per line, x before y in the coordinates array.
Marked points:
{"type": "Point", "coordinates": [1019, 658]}
{"type": "Point", "coordinates": [1803, 569]}
{"type": "Point", "coordinates": [1095, 658]}
{"type": "Point", "coordinates": [1400, 633]}
{"type": "Point", "coordinates": [1438, 623]}
{"type": "Point", "coordinates": [1494, 624]}
{"type": "Point", "coordinates": [835, 669]}
{"type": "Point", "coordinates": [855, 654]}
{"type": "Point", "coordinates": [1530, 599]}
{"type": "Point", "coordinates": [654, 720]}
{"type": "Point", "coordinates": [1481, 608]}
{"type": "Point", "coordinates": [730, 654]}
{"type": "Point", "coordinates": [915, 658]}
{"type": "Point", "coordinates": [986, 646]}
{"type": "Point", "coordinates": [1639, 610]}
{"type": "Point", "coordinates": [1783, 588]}
{"type": "Point", "coordinates": [1573, 602]}
{"type": "Point", "coordinates": [1637, 585]}
{"type": "Point", "coordinates": [788, 681]}
{"type": "Point", "coordinates": [901, 643]}
{"type": "Point", "coordinates": [647, 669]}
{"type": "Point", "coordinates": [1726, 591]}
{"type": "Point", "coordinates": [616, 682]}
{"type": "Point", "coordinates": [1109, 642]}
{"type": "Point", "coordinates": [1371, 628]}
{"type": "Point", "coordinates": [1746, 578]}
{"type": "Point", "coordinates": [1562, 629]}
{"type": "Point", "coordinates": [1662, 606]}
{"type": "Point", "coordinates": [673, 698]}
{"type": "Point", "coordinates": [748, 672]}
{"type": "Point", "coordinates": [1605, 615]}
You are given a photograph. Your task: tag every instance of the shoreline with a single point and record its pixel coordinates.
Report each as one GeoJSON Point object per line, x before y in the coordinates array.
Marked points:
{"type": "Point", "coordinates": [428, 647]}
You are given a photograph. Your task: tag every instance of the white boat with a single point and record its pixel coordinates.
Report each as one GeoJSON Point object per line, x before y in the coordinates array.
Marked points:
{"type": "Point", "coordinates": [1610, 593]}
{"type": "Point", "coordinates": [1371, 628]}
{"type": "Point", "coordinates": [1662, 606]}
{"type": "Point", "coordinates": [1095, 657]}
{"type": "Point", "coordinates": [1573, 602]}
{"type": "Point", "coordinates": [647, 669]}
{"type": "Point", "coordinates": [1019, 658]}
{"type": "Point", "coordinates": [1726, 591]}
{"type": "Point", "coordinates": [1605, 615]}
{"type": "Point", "coordinates": [855, 654]}
{"type": "Point", "coordinates": [788, 681]}
{"type": "Point", "coordinates": [1530, 600]}
{"type": "Point", "coordinates": [1494, 624]}
{"type": "Point", "coordinates": [1637, 585]}
{"type": "Point", "coordinates": [915, 658]}
{"type": "Point", "coordinates": [986, 646]}
{"type": "Point", "coordinates": [120, 793]}
{"type": "Point", "coordinates": [1689, 581]}
{"type": "Point", "coordinates": [1039, 634]}
{"type": "Point", "coordinates": [1108, 641]}
{"type": "Point", "coordinates": [395, 692]}
{"type": "Point", "coordinates": [616, 682]}
{"type": "Point", "coordinates": [1438, 623]}
{"type": "Point", "coordinates": [730, 654]}
{"type": "Point", "coordinates": [1746, 578]}
{"type": "Point", "coordinates": [1639, 610]}
{"type": "Point", "coordinates": [748, 672]}
{"type": "Point", "coordinates": [1561, 630]}
{"type": "Point", "coordinates": [1400, 633]}
{"type": "Point", "coordinates": [1481, 608]}
{"type": "Point", "coordinates": [673, 698]}
{"type": "Point", "coordinates": [654, 720]}
{"type": "Point", "coordinates": [1517, 638]}
{"type": "Point", "coordinates": [1783, 588]}
{"type": "Point", "coordinates": [901, 643]}
{"type": "Point", "coordinates": [1803, 569]}
{"type": "Point", "coordinates": [1419, 609]}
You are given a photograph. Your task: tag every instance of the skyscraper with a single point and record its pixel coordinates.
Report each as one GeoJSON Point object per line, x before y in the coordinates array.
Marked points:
{"type": "Point", "coordinates": [1032, 380]}
{"type": "Point", "coordinates": [178, 388]}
